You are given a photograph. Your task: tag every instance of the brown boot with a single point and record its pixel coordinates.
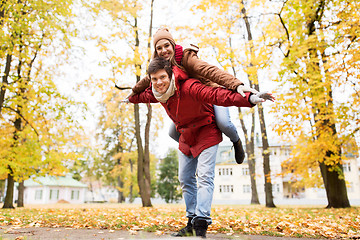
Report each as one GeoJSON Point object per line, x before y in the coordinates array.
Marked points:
{"type": "Point", "coordinates": [239, 152]}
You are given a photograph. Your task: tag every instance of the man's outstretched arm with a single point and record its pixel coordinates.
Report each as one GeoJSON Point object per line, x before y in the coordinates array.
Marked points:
{"type": "Point", "coordinates": [222, 96]}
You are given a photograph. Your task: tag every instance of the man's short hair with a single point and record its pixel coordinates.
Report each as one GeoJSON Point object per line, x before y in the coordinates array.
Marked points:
{"type": "Point", "coordinates": [160, 63]}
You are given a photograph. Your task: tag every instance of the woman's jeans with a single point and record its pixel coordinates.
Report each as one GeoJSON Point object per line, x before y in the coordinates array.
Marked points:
{"type": "Point", "coordinates": [198, 194]}
{"type": "Point", "coordinates": [222, 118]}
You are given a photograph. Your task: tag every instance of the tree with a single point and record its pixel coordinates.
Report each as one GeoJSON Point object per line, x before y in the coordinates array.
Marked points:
{"type": "Point", "coordinates": [320, 41]}
{"type": "Point", "coordinates": [117, 132]}
{"type": "Point", "coordinates": [168, 185]}
{"type": "Point", "coordinates": [226, 21]}
{"type": "Point", "coordinates": [35, 143]}
{"type": "Point", "coordinates": [128, 18]}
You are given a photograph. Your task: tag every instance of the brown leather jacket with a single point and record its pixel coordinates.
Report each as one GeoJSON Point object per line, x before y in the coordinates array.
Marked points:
{"type": "Point", "coordinates": [208, 74]}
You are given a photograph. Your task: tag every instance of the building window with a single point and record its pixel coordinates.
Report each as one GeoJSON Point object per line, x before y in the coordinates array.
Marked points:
{"type": "Point", "coordinates": [225, 171]}
{"type": "Point", "coordinates": [245, 171]}
{"type": "Point", "coordinates": [54, 194]}
{"type": "Point", "coordinates": [225, 155]}
{"type": "Point", "coordinates": [226, 188]}
{"type": "Point", "coordinates": [75, 194]}
{"type": "Point", "coordinates": [38, 194]}
{"type": "Point", "coordinates": [276, 188]}
{"type": "Point", "coordinates": [287, 152]}
{"type": "Point", "coordinates": [246, 188]}
{"type": "Point", "coordinates": [347, 167]}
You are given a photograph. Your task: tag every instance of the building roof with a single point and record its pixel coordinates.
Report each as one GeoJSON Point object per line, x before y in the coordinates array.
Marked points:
{"type": "Point", "coordinates": [62, 181]}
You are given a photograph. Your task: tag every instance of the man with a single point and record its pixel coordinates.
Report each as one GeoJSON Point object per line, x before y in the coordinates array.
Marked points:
{"type": "Point", "coordinates": [189, 104]}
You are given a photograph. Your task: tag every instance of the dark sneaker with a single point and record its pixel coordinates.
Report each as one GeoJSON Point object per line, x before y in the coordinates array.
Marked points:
{"type": "Point", "coordinates": [186, 231]}
{"type": "Point", "coordinates": [200, 226]}
{"type": "Point", "coordinates": [239, 152]}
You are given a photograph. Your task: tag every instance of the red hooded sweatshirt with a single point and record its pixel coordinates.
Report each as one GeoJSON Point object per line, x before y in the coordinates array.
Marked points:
{"type": "Point", "coordinates": [191, 109]}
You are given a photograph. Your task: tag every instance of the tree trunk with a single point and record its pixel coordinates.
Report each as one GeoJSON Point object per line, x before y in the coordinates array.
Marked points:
{"type": "Point", "coordinates": [143, 185]}
{"type": "Point", "coordinates": [147, 154]}
{"type": "Point", "coordinates": [334, 181]}
{"type": "Point", "coordinates": [335, 187]}
{"type": "Point", "coordinates": [5, 81]}
{"type": "Point", "coordinates": [120, 184]}
{"type": "Point", "coordinates": [266, 156]}
{"type": "Point", "coordinates": [250, 151]}
{"type": "Point", "coordinates": [266, 159]}
{"type": "Point", "coordinates": [121, 197]}
{"type": "Point", "coordinates": [143, 170]}
{"type": "Point", "coordinates": [9, 197]}
{"type": "Point", "coordinates": [21, 189]}
{"type": "Point", "coordinates": [131, 195]}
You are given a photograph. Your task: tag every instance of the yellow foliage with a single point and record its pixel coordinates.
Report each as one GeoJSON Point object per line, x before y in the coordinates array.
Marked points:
{"type": "Point", "coordinates": [317, 106]}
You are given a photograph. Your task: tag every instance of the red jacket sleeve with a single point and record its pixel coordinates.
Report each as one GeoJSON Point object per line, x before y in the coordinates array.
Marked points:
{"type": "Point", "coordinates": [144, 97]}
{"type": "Point", "coordinates": [217, 96]}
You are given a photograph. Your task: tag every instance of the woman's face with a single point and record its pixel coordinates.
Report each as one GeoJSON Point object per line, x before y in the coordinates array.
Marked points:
{"type": "Point", "coordinates": [164, 49]}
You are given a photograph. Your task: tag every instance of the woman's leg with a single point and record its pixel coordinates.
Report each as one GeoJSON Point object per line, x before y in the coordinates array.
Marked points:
{"type": "Point", "coordinates": [173, 133]}
{"type": "Point", "coordinates": [222, 117]}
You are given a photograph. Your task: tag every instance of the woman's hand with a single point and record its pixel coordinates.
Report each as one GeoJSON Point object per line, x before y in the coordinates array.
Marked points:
{"type": "Point", "coordinates": [242, 89]}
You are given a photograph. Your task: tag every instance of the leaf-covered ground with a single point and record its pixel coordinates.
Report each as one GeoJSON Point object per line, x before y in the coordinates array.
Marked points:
{"type": "Point", "coordinates": [281, 221]}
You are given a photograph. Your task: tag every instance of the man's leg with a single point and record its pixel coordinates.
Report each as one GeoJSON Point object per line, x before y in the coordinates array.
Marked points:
{"type": "Point", "coordinates": [187, 178]}
{"type": "Point", "coordinates": [206, 175]}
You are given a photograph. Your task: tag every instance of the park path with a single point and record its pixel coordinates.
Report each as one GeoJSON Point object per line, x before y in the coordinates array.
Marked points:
{"type": "Point", "coordinates": [33, 233]}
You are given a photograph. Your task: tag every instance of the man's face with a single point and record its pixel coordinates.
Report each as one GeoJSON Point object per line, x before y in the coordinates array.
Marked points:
{"type": "Point", "coordinates": [160, 80]}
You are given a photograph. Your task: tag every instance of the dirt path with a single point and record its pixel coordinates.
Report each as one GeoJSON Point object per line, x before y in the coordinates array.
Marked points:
{"type": "Point", "coordinates": [12, 233]}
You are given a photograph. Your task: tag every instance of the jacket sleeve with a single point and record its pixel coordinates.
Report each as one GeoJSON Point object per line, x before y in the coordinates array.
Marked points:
{"type": "Point", "coordinates": [144, 97]}
{"type": "Point", "coordinates": [141, 85]}
{"type": "Point", "coordinates": [198, 68]}
{"type": "Point", "coordinates": [216, 96]}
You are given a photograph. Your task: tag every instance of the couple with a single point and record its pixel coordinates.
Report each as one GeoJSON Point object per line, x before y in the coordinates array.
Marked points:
{"type": "Point", "coordinates": [192, 107]}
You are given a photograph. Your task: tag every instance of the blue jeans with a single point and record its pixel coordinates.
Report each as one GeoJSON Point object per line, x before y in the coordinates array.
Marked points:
{"type": "Point", "coordinates": [198, 194]}
{"type": "Point", "coordinates": [222, 118]}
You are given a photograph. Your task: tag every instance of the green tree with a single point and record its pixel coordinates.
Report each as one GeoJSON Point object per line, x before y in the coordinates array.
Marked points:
{"type": "Point", "coordinates": [168, 185]}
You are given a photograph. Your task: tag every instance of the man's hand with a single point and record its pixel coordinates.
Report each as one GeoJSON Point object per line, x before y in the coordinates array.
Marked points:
{"type": "Point", "coordinates": [261, 97]}
{"type": "Point", "coordinates": [242, 89]}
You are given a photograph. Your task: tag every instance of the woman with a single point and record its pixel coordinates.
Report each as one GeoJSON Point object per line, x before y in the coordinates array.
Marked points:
{"type": "Point", "coordinates": [185, 57]}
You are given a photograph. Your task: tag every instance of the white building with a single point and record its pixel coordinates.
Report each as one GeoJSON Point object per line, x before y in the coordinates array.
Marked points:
{"type": "Point", "coordinates": [52, 189]}
{"type": "Point", "coordinates": [233, 186]}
